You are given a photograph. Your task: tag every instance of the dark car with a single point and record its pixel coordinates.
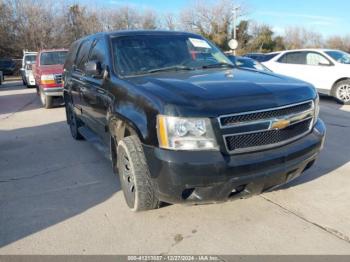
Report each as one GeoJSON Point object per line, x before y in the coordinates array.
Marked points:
{"type": "Point", "coordinates": [7, 66]}
{"type": "Point", "coordinates": [260, 57]}
{"type": "Point", "coordinates": [182, 124]}
{"type": "Point", "coordinates": [248, 63]}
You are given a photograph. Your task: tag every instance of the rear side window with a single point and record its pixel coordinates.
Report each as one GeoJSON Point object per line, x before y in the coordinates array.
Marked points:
{"type": "Point", "coordinates": [298, 58]}
{"type": "Point", "coordinates": [83, 55]}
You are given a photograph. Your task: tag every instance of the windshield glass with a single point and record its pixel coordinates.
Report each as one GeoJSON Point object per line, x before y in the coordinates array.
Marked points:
{"type": "Point", "coordinates": [53, 58]}
{"type": "Point", "coordinates": [29, 59]}
{"type": "Point", "coordinates": [145, 54]}
{"type": "Point", "coordinates": [339, 56]}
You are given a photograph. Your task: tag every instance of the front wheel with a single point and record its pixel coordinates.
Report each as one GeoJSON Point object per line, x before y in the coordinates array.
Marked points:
{"type": "Point", "coordinates": [341, 92]}
{"type": "Point", "coordinates": [134, 175]}
{"type": "Point", "coordinates": [46, 101]}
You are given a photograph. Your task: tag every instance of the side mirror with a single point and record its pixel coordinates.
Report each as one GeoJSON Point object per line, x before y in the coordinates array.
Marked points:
{"type": "Point", "coordinates": [93, 68]}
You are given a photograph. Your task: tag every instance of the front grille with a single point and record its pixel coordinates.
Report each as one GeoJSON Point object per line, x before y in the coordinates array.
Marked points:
{"type": "Point", "coordinates": [270, 137]}
{"type": "Point", "coordinates": [227, 121]}
{"type": "Point", "coordinates": [58, 79]}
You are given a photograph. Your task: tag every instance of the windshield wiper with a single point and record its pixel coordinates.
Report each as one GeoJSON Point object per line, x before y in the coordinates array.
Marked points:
{"type": "Point", "coordinates": [170, 68]}
{"type": "Point", "coordinates": [218, 65]}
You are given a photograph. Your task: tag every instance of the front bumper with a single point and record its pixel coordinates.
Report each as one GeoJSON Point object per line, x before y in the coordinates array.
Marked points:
{"type": "Point", "coordinates": [190, 176]}
{"type": "Point", "coordinates": [52, 91]}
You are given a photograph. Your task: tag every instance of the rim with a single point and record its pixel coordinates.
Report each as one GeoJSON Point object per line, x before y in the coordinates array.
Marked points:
{"type": "Point", "coordinates": [42, 98]}
{"type": "Point", "coordinates": [343, 93]}
{"type": "Point", "coordinates": [127, 179]}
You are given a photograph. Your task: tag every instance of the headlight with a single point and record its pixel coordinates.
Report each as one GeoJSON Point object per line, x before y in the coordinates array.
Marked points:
{"type": "Point", "coordinates": [317, 107]}
{"type": "Point", "coordinates": [47, 79]}
{"type": "Point", "coordinates": [185, 133]}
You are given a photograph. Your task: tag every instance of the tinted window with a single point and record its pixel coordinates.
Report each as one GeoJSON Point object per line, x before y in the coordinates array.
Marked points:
{"type": "Point", "coordinates": [53, 58]}
{"type": "Point", "coordinates": [98, 51]}
{"type": "Point", "coordinates": [294, 58]}
{"type": "Point", "coordinates": [83, 54]}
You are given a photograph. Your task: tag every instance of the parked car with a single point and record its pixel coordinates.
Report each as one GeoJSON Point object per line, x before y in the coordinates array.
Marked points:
{"type": "Point", "coordinates": [48, 70]}
{"type": "Point", "coordinates": [260, 57]}
{"type": "Point", "coordinates": [7, 66]}
{"type": "Point", "coordinates": [248, 63]}
{"type": "Point", "coordinates": [28, 60]}
{"type": "Point", "coordinates": [1, 77]}
{"type": "Point", "coordinates": [328, 70]}
{"type": "Point", "coordinates": [181, 129]}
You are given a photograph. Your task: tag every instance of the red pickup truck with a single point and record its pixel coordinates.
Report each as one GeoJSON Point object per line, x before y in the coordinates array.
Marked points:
{"type": "Point", "coordinates": [47, 72]}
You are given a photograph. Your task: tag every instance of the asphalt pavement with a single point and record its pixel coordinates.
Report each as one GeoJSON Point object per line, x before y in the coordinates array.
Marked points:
{"type": "Point", "coordinates": [60, 196]}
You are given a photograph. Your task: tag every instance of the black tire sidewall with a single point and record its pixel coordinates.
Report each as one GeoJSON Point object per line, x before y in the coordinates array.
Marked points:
{"type": "Point", "coordinates": [145, 194]}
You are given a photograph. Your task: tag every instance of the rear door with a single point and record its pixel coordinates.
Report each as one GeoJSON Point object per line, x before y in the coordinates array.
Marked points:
{"type": "Point", "coordinates": [78, 76]}
{"type": "Point", "coordinates": [95, 94]}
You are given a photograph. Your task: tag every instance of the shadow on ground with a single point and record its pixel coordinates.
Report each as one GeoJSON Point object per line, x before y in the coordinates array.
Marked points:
{"type": "Point", "coordinates": [47, 177]}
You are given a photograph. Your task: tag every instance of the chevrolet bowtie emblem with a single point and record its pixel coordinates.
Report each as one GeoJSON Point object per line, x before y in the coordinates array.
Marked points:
{"type": "Point", "coordinates": [280, 124]}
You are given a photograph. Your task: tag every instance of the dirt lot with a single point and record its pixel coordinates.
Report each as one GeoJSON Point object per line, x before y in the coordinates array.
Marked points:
{"type": "Point", "coordinates": [59, 196]}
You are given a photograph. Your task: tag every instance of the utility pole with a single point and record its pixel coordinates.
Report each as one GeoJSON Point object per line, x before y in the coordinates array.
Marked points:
{"type": "Point", "coordinates": [234, 12]}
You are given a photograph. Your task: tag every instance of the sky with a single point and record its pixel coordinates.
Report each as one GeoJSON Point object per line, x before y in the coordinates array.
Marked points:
{"type": "Point", "coordinates": [323, 16]}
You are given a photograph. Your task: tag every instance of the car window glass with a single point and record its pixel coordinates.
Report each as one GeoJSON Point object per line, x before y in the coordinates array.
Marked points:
{"type": "Point", "coordinates": [316, 59]}
{"type": "Point", "coordinates": [97, 52]}
{"type": "Point", "coordinates": [298, 58]}
{"type": "Point", "coordinates": [71, 54]}
{"type": "Point", "coordinates": [83, 55]}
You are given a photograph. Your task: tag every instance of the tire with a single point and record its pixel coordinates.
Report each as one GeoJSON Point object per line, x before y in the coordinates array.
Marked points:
{"type": "Point", "coordinates": [341, 92]}
{"type": "Point", "coordinates": [74, 123]}
{"type": "Point", "coordinates": [46, 101]}
{"type": "Point", "coordinates": [139, 192]}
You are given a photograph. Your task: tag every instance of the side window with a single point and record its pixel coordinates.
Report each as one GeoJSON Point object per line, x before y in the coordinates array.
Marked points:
{"type": "Point", "coordinates": [98, 51]}
{"type": "Point", "coordinates": [83, 55]}
{"type": "Point", "coordinates": [316, 59]}
{"type": "Point", "coordinates": [297, 58]}
{"type": "Point", "coordinates": [71, 55]}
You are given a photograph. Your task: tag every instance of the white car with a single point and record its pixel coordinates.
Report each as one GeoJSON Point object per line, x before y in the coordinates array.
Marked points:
{"type": "Point", "coordinates": [328, 70]}
{"type": "Point", "coordinates": [26, 71]}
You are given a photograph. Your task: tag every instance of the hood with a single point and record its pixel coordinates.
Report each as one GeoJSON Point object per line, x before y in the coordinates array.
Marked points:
{"type": "Point", "coordinates": [215, 92]}
{"type": "Point", "coordinates": [51, 69]}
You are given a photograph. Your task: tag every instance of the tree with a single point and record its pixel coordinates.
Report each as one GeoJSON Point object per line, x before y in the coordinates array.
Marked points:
{"type": "Point", "coordinates": [213, 21]}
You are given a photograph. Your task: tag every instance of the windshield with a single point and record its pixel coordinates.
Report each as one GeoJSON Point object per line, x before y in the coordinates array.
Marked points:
{"type": "Point", "coordinates": [146, 54]}
{"type": "Point", "coordinates": [339, 56]}
{"type": "Point", "coordinates": [6, 63]}
{"type": "Point", "coordinates": [53, 58]}
{"type": "Point", "coordinates": [29, 59]}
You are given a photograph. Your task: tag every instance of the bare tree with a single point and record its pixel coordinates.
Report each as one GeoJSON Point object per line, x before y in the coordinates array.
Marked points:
{"type": "Point", "coordinates": [213, 21]}
{"type": "Point", "coordinates": [169, 21]}
{"type": "Point", "coordinates": [299, 37]}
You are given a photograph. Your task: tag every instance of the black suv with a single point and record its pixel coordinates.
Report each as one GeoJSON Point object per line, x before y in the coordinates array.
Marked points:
{"type": "Point", "coordinates": [182, 124]}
